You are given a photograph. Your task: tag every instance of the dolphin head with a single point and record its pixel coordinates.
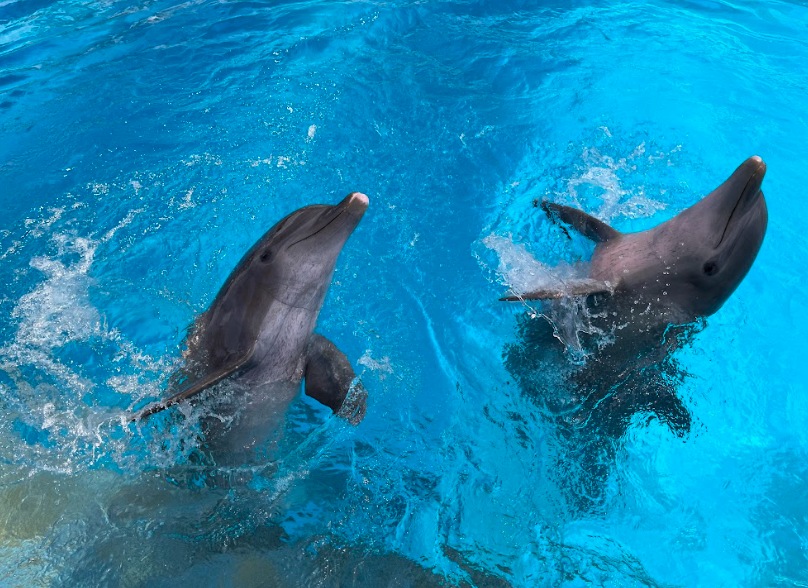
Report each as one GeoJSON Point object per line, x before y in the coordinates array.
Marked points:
{"type": "Point", "coordinates": [709, 247]}
{"type": "Point", "coordinates": [291, 264]}
{"type": "Point", "coordinates": [288, 269]}
{"type": "Point", "coordinates": [294, 261]}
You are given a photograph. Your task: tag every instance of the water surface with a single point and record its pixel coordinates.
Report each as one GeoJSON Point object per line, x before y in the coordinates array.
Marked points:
{"type": "Point", "coordinates": [146, 145]}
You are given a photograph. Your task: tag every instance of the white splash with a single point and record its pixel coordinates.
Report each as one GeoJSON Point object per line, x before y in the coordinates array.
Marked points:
{"type": "Point", "coordinates": [186, 201]}
{"type": "Point", "coordinates": [55, 313]}
{"type": "Point", "coordinates": [602, 172]}
{"type": "Point", "coordinates": [382, 365]}
{"type": "Point", "coordinates": [57, 310]}
{"type": "Point", "coordinates": [520, 271]}
{"type": "Point", "coordinates": [205, 158]}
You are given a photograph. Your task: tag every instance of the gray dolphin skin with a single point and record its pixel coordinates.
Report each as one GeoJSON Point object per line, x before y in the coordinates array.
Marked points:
{"type": "Point", "coordinates": [684, 268]}
{"type": "Point", "coordinates": [645, 295]}
{"type": "Point", "coordinates": [259, 332]}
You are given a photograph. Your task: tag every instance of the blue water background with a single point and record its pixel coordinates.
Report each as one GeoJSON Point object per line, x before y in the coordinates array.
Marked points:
{"type": "Point", "coordinates": [144, 146]}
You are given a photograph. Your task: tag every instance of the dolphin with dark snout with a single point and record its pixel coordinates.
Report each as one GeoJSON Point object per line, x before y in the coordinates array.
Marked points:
{"type": "Point", "coordinates": [645, 294]}
{"type": "Point", "coordinates": [259, 333]}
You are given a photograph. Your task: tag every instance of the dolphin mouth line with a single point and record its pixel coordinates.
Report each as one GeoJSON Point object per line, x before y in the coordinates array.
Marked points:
{"type": "Point", "coordinates": [289, 304]}
{"type": "Point", "coordinates": [743, 195]}
{"type": "Point", "coordinates": [324, 227]}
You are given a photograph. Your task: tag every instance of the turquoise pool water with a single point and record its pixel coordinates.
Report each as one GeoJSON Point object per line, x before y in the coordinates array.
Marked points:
{"type": "Point", "coordinates": [145, 145]}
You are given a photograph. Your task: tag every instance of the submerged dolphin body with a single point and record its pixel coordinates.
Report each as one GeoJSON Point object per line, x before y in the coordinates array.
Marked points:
{"type": "Point", "coordinates": [644, 294]}
{"type": "Point", "coordinates": [259, 332]}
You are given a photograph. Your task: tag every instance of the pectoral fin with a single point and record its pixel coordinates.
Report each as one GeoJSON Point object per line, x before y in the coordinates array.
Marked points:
{"type": "Point", "coordinates": [564, 290]}
{"type": "Point", "coordinates": [585, 224]}
{"type": "Point", "coordinates": [195, 386]}
{"type": "Point", "coordinates": [331, 381]}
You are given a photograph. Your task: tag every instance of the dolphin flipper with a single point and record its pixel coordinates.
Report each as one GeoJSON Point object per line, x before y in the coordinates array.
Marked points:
{"type": "Point", "coordinates": [331, 381]}
{"type": "Point", "coordinates": [194, 387]}
{"type": "Point", "coordinates": [584, 287]}
{"type": "Point", "coordinates": [586, 224]}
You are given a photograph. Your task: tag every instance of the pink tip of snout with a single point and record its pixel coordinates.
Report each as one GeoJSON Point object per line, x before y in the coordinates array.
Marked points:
{"type": "Point", "coordinates": [759, 164]}
{"type": "Point", "coordinates": [357, 202]}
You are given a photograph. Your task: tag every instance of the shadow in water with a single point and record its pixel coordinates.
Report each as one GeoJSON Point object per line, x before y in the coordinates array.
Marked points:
{"type": "Point", "coordinates": [593, 394]}
{"type": "Point", "coordinates": [287, 522]}
{"type": "Point", "coordinates": [154, 533]}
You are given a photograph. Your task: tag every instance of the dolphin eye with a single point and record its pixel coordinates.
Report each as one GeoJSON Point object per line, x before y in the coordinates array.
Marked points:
{"type": "Point", "coordinates": [710, 268]}
{"type": "Point", "coordinates": [266, 255]}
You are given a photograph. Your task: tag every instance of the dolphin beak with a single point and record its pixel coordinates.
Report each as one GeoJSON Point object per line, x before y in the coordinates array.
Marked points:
{"type": "Point", "coordinates": [745, 182]}
{"type": "Point", "coordinates": [756, 167]}
{"type": "Point", "coordinates": [355, 203]}
{"type": "Point", "coordinates": [337, 219]}
{"type": "Point", "coordinates": [741, 190]}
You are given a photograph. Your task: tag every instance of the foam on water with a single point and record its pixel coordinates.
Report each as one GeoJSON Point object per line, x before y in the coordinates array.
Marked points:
{"type": "Point", "coordinates": [599, 182]}
{"type": "Point", "coordinates": [59, 336]}
{"type": "Point", "coordinates": [520, 271]}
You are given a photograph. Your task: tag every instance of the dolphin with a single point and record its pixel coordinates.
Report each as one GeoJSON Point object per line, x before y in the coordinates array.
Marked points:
{"type": "Point", "coordinates": [259, 334]}
{"type": "Point", "coordinates": [643, 295]}
{"type": "Point", "coordinates": [681, 270]}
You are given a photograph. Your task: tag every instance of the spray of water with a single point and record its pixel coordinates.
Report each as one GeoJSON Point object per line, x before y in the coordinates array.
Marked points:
{"type": "Point", "coordinates": [49, 363]}
{"type": "Point", "coordinates": [602, 185]}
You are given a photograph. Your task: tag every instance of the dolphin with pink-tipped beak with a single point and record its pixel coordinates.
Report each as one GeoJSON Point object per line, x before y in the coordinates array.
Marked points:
{"type": "Point", "coordinates": [643, 293]}
{"type": "Point", "coordinates": [678, 271]}
{"type": "Point", "coordinates": [259, 332]}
